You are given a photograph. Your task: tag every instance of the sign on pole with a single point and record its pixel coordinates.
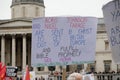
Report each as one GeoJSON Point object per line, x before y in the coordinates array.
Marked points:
{"type": "Point", "coordinates": [11, 71]}
{"type": "Point", "coordinates": [63, 40]}
{"type": "Point", "coordinates": [111, 13]}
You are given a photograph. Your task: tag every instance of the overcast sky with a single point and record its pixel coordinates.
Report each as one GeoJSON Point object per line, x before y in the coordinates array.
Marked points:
{"type": "Point", "coordinates": [62, 8]}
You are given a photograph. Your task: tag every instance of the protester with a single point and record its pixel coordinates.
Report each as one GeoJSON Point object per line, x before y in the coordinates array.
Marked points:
{"type": "Point", "coordinates": [86, 78]}
{"type": "Point", "coordinates": [75, 76]}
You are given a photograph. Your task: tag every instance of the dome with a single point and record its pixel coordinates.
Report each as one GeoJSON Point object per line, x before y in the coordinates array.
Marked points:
{"type": "Point", "coordinates": [38, 2]}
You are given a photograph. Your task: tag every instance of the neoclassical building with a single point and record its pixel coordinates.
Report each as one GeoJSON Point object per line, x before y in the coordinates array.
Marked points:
{"type": "Point", "coordinates": [15, 36]}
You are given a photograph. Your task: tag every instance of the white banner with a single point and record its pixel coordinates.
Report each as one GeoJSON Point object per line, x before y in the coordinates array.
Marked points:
{"type": "Point", "coordinates": [63, 40]}
{"type": "Point", "coordinates": [111, 13]}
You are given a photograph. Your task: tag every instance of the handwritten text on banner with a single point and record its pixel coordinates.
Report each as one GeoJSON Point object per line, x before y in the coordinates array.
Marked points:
{"type": "Point", "coordinates": [111, 13]}
{"type": "Point", "coordinates": [63, 40]}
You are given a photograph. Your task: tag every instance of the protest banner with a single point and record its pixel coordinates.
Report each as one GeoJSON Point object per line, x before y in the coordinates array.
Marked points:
{"type": "Point", "coordinates": [63, 40]}
{"type": "Point", "coordinates": [111, 13]}
{"type": "Point", "coordinates": [11, 71]}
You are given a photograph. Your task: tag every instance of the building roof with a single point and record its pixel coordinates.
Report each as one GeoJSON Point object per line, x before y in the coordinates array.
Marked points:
{"type": "Point", "coordinates": [17, 2]}
{"type": "Point", "coordinates": [100, 29]}
{"type": "Point", "coordinates": [17, 19]}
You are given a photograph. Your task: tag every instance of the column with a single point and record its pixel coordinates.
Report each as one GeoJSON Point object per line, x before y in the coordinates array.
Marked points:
{"type": "Point", "coordinates": [57, 68]}
{"type": "Point", "coordinates": [24, 52]}
{"type": "Point", "coordinates": [3, 49]}
{"type": "Point", "coordinates": [46, 68]}
{"type": "Point", "coordinates": [64, 74]}
{"type": "Point", "coordinates": [35, 69]}
{"type": "Point", "coordinates": [86, 67]}
{"type": "Point", "coordinates": [13, 50]}
{"type": "Point", "coordinates": [100, 66]}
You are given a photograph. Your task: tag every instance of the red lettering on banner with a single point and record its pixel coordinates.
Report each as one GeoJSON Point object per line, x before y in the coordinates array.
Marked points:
{"type": "Point", "coordinates": [76, 19]}
{"type": "Point", "coordinates": [50, 23]}
{"type": "Point", "coordinates": [65, 59]}
{"type": "Point", "coordinates": [47, 60]}
{"type": "Point", "coordinates": [75, 25]}
{"type": "Point", "coordinates": [50, 26]}
{"type": "Point", "coordinates": [77, 22]}
{"type": "Point", "coordinates": [50, 20]}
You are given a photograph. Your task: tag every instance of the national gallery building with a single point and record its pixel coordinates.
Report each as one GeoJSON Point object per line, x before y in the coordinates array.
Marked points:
{"type": "Point", "coordinates": [16, 34]}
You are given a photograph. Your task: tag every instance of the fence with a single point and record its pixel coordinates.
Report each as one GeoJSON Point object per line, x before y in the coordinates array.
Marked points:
{"type": "Point", "coordinates": [97, 77]}
{"type": "Point", "coordinates": [107, 76]}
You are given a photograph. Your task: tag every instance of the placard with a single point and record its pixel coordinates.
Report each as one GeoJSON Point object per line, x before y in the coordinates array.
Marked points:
{"type": "Point", "coordinates": [63, 40]}
{"type": "Point", "coordinates": [11, 71]}
{"type": "Point", "coordinates": [111, 13]}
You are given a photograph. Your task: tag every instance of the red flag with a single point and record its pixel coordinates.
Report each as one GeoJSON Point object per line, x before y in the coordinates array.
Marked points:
{"type": "Point", "coordinates": [3, 73]}
{"type": "Point", "coordinates": [27, 75]}
{"type": "Point", "coordinates": [0, 65]}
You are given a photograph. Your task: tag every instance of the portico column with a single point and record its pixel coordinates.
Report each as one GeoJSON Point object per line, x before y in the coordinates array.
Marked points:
{"type": "Point", "coordinates": [24, 51]}
{"type": "Point", "coordinates": [3, 49]}
{"type": "Point", "coordinates": [86, 67]}
{"type": "Point", "coordinates": [13, 50]}
{"type": "Point", "coordinates": [57, 68]}
{"type": "Point", "coordinates": [35, 69]}
{"type": "Point", "coordinates": [46, 68]}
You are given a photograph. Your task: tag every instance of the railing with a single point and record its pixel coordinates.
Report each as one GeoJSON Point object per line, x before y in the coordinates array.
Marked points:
{"type": "Point", "coordinates": [107, 76]}
{"type": "Point", "coordinates": [97, 77]}
{"type": "Point", "coordinates": [103, 76]}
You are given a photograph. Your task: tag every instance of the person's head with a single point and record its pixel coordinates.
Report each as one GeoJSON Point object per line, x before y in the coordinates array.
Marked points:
{"type": "Point", "coordinates": [86, 78]}
{"type": "Point", "coordinates": [75, 76]}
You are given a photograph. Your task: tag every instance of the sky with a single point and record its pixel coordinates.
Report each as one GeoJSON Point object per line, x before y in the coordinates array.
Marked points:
{"type": "Point", "coordinates": [62, 8]}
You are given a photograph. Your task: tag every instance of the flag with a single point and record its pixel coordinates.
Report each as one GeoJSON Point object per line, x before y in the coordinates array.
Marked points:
{"type": "Point", "coordinates": [0, 65]}
{"type": "Point", "coordinates": [27, 75]}
{"type": "Point", "coordinates": [3, 73]}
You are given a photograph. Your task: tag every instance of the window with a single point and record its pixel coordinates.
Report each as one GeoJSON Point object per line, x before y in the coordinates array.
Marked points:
{"type": "Point", "coordinates": [80, 67]}
{"type": "Point", "coordinates": [107, 65]}
{"type": "Point", "coordinates": [67, 68]}
{"type": "Point", "coordinates": [40, 68]}
{"type": "Point", "coordinates": [92, 67]}
{"type": "Point", "coordinates": [118, 67]}
{"type": "Point", "coordinates": [106, 45]}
